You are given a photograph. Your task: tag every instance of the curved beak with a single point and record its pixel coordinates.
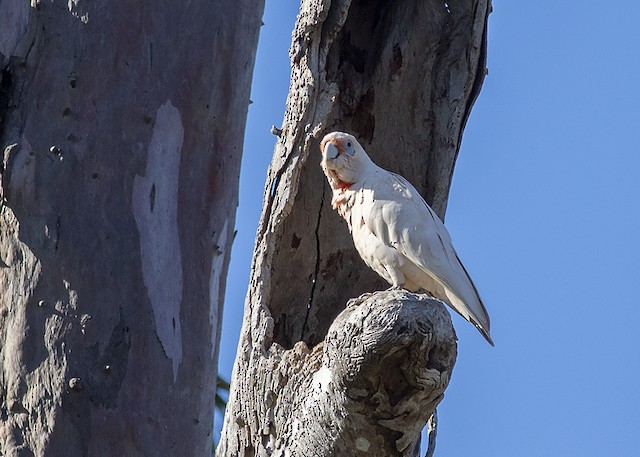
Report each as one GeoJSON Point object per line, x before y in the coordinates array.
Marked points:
{"type": "Point", "coordinates": [330, 151]}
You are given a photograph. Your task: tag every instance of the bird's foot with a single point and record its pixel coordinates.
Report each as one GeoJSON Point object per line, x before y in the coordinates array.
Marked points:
{"type": "Point", "coordinates": [396, 287]}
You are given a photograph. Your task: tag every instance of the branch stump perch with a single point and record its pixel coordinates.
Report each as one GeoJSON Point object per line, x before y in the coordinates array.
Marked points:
{"type": "Point", "coordinates": [368, 389]}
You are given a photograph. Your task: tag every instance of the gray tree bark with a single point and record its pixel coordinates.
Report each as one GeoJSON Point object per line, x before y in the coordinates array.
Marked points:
{"type": "Point", "coordinates": [402, 77]}
{"type": "Point", "coordinates": [122, 126]}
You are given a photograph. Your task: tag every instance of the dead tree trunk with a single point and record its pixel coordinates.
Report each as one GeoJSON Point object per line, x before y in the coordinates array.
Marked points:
{"type": "Point", "coordinates": [402, 76]}
{"type": "Point", "coordinates": [122, 126]}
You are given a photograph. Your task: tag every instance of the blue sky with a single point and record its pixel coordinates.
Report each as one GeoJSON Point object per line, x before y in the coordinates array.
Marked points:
{"type": "Point", "coordinates": [544, 212]}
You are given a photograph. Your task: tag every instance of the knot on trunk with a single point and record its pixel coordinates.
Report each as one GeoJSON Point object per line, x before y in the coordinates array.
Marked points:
{"type": "Point", "coordinates": [387, 361]}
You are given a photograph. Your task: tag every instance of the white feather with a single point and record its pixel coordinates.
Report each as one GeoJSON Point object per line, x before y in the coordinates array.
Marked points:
{"type": "Point", "coordinates": [398, 235]}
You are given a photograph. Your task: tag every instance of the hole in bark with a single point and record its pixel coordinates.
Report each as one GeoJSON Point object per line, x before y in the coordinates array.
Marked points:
{"type": "Point", "coordinates": [280, 332]}
{"type": "Point", "coordinates": [5, 81]}
{"type": "Point", "coordinates": [352, 54]}
{"type": "Point", "coordinates": [395, 382]}
{"type": "Point", "coordinates": [73, 83]}
{"type": "Point", "coordinates": [396, 62]}
{"type": "Point", "coordinates": [265, 441]}
{"type": "Point", "coordinates": [295, 241]}
{"type": "Point", "coordinates": [152, 202]}
{"type": "Point", "coordinates": [331, 265]}
{"type": "Point", "coordinates": [439, 357]}
{"type": "Point", "coordinates": [66, 111]}
{"type": "Point", "coordinates": [363, 120]}
{"type": "Point", "coordinates": [361, 39]}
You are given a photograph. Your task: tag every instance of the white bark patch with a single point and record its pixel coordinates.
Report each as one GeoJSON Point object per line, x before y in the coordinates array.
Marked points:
{"type": "Point", "coordinates": [322, 379]}
{"type": "Point", "coordinates": [214, 283]}
{"type": "Point", "coordinates": [74, 6]}
{"type": "Point", "coordinates": [362, 444]}
{"type": "Point", "coordinates": [73, 295]}
{"type": "Point", "coordinates": [155, 208]}
{"type": "Point", "coordinates": [22, 184]}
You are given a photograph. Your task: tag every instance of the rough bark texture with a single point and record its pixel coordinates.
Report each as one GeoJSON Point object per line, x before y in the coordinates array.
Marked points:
{"type": "Point", "coordinates": [402, 76]}
{"type": "Point", "coordinates": [367, 391]}
{"type": "Point", "coordinates": [122, 127]}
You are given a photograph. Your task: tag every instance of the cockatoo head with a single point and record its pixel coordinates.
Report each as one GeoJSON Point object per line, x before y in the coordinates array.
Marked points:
{"type": "Point", "coordinates": [344, 161]}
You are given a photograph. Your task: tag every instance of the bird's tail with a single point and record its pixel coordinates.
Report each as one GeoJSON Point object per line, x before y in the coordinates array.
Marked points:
{"type": "Point", "coordinates": [474, 312]}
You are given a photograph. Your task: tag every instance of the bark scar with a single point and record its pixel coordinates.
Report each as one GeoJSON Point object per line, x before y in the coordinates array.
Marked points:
{"type": "Point", "coordinates": [158, 229]}
{"type": "Point", "coordinates": [316, 271]}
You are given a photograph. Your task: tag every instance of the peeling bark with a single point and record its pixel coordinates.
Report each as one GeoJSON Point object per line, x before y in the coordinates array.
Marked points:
{"type": "Point", "coordinates": [402, 77]}
{"type": "Point", "coordinates": [122, 128]}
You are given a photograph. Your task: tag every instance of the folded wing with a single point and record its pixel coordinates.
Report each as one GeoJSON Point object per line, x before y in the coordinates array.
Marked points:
{"type": "Point", "coordinates": [396, 213]}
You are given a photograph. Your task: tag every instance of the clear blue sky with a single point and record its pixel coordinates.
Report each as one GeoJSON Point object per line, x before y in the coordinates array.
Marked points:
{"type": "Point", "coordinates": [544, 212]}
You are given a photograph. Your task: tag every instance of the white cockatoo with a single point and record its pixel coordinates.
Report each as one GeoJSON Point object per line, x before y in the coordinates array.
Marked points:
{"type": "Point", "coordinates": [394, 230]}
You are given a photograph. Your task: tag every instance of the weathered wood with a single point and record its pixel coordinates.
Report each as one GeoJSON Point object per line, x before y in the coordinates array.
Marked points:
{"type": "Point", "coordinates": [368, 390]}
{"type": "Point", "coordinates": [122, 126]}
{"type": "Point", "coordinates": [402, 77]}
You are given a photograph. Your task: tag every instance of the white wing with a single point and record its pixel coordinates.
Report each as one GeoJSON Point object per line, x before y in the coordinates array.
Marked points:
{"type": "Point", "coordinates": [396, 213]}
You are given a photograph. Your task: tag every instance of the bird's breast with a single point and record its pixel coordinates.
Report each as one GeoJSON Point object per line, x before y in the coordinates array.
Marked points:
{"type": "Point", "coordinates": [343, 201]}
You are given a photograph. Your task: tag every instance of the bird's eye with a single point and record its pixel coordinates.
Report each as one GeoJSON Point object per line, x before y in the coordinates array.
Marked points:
{"type": "Point", "coordinates": [348, 144]}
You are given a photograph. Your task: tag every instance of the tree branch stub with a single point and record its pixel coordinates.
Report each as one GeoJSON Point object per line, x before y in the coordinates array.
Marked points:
{"type": "Point", "coordinates": [369, 389]}
{"type": "Point", "coordinates": [387, 361]}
